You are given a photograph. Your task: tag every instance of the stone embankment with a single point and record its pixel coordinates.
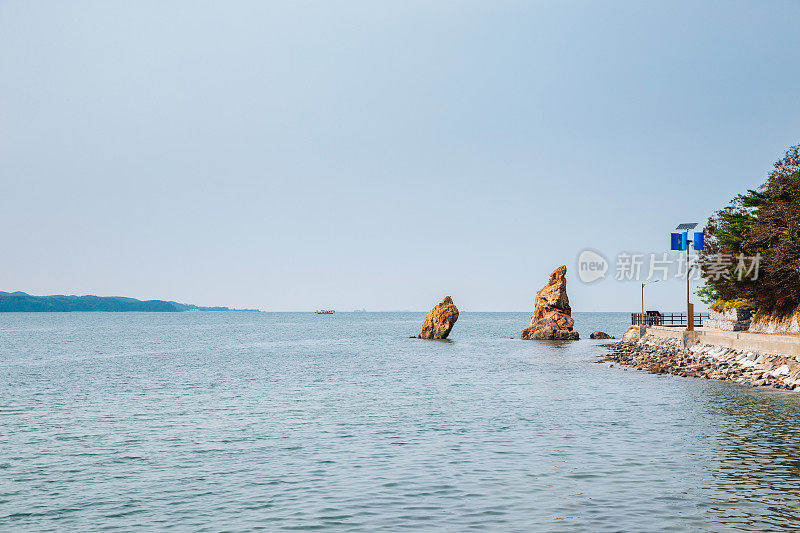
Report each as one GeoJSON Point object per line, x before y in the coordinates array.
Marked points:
{"type": "Point", "coordinates": [660, 355]}
{"type": "Point", "coordinates": [737, 319]}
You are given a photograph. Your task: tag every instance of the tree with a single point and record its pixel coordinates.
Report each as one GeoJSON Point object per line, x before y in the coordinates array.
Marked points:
{"type": "Point", "coordinates": [762, 223]}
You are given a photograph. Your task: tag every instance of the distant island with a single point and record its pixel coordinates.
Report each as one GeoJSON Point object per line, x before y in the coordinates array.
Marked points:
{"type": "Point", "coordinates": [20, 302]}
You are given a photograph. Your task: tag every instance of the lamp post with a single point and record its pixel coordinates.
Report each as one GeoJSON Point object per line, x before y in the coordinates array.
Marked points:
{"type": "Point", "coordinates": [643, 322]}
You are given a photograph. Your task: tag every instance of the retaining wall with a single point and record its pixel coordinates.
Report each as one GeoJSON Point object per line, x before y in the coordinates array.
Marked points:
{"type": "Point", "coordinates": [769, 343]}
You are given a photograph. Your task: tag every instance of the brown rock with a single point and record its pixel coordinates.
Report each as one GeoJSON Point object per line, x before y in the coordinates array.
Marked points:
{"type": "Point", "coordinates": [600, 335]}
{"type": "Point", "coordinates": [551, 315]}
{"type": "Point", "coordinates": [631, 334]}
{"type": "Point", "coordinates": [440, 320]}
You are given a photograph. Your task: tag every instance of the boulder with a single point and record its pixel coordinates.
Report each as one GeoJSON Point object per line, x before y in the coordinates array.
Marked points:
{"type": "Point", "coordinates": [631, 334]}
{"type": "Point", "coordinates": [552, 314]}
{"type": "Point", "coordinates": [440, 320]}
{"type": "Point", "coordinates": [600, 335]}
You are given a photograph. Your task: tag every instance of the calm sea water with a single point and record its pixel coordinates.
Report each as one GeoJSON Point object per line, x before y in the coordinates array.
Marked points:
{"type": "Point", "coordinates": [242, 421]}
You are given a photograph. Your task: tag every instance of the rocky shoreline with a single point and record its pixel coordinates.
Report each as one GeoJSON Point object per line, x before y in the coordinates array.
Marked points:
{"type": "Point", "coordinates": [659, 355]}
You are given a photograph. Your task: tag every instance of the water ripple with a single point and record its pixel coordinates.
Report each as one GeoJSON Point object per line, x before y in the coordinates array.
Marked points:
{"type": "Point", "coordinates": [242, 421]}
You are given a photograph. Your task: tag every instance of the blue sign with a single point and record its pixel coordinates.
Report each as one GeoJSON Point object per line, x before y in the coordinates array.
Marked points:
{"type": "Point", "coordinates": [675, 241]}
{"type": "Point", "coordinates": [698, 240]}
{"type": "Point", "coordinates": [678, 241]}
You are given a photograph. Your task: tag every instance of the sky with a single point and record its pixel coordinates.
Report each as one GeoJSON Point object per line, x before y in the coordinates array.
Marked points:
{"type": "Point", "coordinates": [297, 155]}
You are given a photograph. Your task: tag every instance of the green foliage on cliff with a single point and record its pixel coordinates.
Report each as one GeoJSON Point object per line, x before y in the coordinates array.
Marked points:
{"type": "Point", "coordinates": [762, 223]}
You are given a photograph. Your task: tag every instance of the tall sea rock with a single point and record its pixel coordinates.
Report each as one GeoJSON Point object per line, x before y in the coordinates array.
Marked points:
{"type": "Point", "coordinates": [440, 320]}
{"type": "Point", "coordinates": [552, 315]}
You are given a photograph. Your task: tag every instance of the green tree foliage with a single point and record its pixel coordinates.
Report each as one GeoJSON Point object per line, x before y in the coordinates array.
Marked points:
{"type": "Point", "coordinates": [708, 294]}
{"type": "Point", "coordinates": [764, 222]}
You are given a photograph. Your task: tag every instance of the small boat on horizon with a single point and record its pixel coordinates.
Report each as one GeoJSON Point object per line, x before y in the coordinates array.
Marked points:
{"type": "Point", "coordinates": [325, 311]}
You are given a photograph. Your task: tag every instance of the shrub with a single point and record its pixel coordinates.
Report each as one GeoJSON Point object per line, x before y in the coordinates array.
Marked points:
{"type": "Point", "coordinates": [722, 306]}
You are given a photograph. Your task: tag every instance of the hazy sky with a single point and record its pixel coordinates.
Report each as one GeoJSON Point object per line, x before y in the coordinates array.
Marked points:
{"type": "Point", "coordinates": [295, 155]}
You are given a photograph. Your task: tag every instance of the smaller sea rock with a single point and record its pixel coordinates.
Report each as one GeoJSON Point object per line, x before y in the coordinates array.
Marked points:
{"type": "Point", "coordinates": [600, 335]}
{"type": "Point", "coordinates": [440, 320]}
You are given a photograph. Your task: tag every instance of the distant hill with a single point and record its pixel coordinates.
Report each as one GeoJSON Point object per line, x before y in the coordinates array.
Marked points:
{"type": "Point", "coordinates": [22, 302]}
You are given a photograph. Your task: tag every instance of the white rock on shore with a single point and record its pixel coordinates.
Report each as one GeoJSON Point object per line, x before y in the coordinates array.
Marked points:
{"type": "Point", "coordinates": [665, 356]}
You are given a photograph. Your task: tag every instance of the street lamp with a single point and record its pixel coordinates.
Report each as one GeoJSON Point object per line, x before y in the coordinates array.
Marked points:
{"type": "Point", "coordinates": [642, 321]}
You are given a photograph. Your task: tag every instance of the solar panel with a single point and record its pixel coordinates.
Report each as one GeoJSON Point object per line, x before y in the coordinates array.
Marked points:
{"type": "Point", "coordinates": [687, 225]}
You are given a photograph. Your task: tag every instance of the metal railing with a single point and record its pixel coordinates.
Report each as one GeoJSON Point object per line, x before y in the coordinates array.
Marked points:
{"type": "Point", "coordinates": [666, 319]}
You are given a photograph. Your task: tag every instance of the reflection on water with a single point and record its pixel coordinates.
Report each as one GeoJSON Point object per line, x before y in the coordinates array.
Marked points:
{"type": "Point", "coordinates": [291, 421]}
{"type": "Point", "coordinates": [756, 469]}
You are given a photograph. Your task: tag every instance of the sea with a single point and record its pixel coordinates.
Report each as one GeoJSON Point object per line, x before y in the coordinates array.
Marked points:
{"type": "Point", "coordinates": [244, 421]}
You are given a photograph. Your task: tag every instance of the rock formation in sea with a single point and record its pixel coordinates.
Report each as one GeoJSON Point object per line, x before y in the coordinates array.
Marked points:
{"type": "Point", "coordinates": [600, 335]}
{"type": "Point", "coordinates": [552, 314]}
{"type": "Point", "coordinates": [440, 320]}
